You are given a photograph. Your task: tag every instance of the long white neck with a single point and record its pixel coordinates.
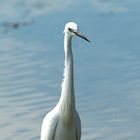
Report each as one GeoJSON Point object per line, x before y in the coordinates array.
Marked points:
{"type": "Point", "coordinates": [67, 99]}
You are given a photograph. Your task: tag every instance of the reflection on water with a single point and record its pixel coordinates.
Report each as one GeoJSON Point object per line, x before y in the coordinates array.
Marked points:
{"type": "Point", "coordinates": [107, 76]}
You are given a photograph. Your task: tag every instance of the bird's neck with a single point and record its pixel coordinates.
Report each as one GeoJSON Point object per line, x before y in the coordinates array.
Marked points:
{"type": "Point", "coordinates": [67, 99]}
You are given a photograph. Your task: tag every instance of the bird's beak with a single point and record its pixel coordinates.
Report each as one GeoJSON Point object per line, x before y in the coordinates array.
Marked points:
{"type": "Point", "coordinates": [78, 33]}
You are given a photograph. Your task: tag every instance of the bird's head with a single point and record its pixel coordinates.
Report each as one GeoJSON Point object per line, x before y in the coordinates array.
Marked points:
{"type": "Point", "coordinates": [72, 29]}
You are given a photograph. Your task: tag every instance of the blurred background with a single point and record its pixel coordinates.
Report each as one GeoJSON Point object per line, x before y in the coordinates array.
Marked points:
{"type": "Point", "coordinates": [107, 71]}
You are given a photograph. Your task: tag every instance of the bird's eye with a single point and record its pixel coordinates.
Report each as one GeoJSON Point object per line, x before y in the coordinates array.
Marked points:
{"type": "Point", "coordinates": [70, 29]}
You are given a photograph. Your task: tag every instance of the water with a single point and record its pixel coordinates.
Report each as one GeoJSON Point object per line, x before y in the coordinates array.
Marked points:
{"type": "Point", "coordinates": [107, 75]}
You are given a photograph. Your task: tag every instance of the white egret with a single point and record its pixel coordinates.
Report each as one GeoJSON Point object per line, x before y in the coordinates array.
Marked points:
{"type": "Point", "coordinates": [63, 122]}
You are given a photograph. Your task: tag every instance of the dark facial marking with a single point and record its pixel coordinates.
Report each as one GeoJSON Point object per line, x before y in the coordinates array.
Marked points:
{"type": "Point", "coordinates": [70, 30]}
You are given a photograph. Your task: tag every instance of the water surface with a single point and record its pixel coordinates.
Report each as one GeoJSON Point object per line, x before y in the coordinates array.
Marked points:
{"type": "Point", "coordinates": [107, 72]}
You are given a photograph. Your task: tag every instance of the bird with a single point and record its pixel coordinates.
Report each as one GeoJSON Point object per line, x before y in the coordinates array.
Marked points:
{"type": "Point", "coordinates": [63, 121]}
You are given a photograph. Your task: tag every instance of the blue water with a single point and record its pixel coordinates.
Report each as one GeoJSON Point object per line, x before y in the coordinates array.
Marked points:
{"type": "Point", "coordinates": [107, 71]}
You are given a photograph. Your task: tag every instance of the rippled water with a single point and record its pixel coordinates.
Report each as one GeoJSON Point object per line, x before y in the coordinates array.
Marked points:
{"type": "Point", "coordinates": [107, 72]}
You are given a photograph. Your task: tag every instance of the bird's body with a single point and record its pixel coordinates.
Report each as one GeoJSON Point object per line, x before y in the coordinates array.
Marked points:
{"type": "Point", "coordinates": [63, 122]}
{"type": "Point", "coordinates": [54, 127]}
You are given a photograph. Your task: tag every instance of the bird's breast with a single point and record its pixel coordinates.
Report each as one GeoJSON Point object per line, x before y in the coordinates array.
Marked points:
{"type": "Point", "coordinates": [67, 115]}
{"type": "Point", "coordinates": [65, 132]}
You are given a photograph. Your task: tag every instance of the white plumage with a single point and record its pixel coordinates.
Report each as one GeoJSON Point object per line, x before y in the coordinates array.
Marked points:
{"type": "Point", "coordinates": [63, 122]}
